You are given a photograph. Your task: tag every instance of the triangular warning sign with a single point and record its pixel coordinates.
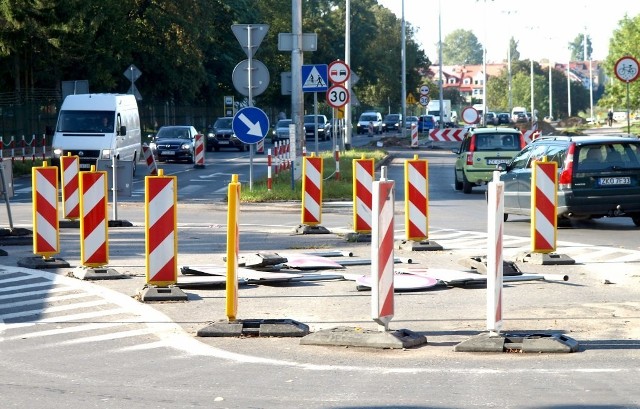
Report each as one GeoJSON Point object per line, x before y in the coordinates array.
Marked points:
{"type": "Point", "coordinates": [314, 80]}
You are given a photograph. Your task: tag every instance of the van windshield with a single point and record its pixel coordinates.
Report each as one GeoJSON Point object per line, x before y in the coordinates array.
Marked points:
{"type": "Point", "coordinates": [368, 118]}
{"type": "Point", "coordinates": [86, 121]}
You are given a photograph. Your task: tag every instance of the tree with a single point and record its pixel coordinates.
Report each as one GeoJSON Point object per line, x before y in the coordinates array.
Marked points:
{"type": "Point", "coordinates": [624, 41]}
{"type": "Point", "coordinates": [577, 48]}
{"type": "Point", "coordinates": [461, 47]}
{"type": "Point", "coordinates": [513, 49]}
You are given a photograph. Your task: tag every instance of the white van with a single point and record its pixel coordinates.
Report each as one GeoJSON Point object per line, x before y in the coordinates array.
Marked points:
{"type": "Point", "coordinates": [515, 111]}
{"type": "Point", "coordinates": [97, 126]}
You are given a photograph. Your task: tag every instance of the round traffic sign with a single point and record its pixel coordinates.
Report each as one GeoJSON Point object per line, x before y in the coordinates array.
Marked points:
{"type": "Point", "coordinates": [259, 77]}
{"type": "Point", "coordinates": [339, 72]}
{"type": "Point", "coordinates": [470, 115]}
{"type": "Point", "coordinates": [627, 69]}
{"type": "Point", "coordinates": [424, 100]}
{"type": "Point", "coordinates": [337, 96]}
{"type": "Point", "coordinates": [250, 125]}
{"type": "Point", "coordinates": [424, 89]}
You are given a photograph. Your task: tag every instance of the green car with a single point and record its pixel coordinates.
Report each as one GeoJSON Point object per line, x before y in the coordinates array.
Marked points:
{"type": "Point", "coordinates": [481, 150]}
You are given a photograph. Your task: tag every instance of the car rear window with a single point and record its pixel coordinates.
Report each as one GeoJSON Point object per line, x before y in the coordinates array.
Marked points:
{"type": "Point", "coordinates": [609, 156]}
{"type": "Point", "coordinates": [497, 141]}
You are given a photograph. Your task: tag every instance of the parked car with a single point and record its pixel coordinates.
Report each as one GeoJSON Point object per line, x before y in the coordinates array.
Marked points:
{"type": "Point", "coordinates": [490, 119]}
{"type": "Point", "coordinates": [175, 143]}
{"type": "Point", "coordinates": [411, 120]}
{"type": "Point", "coordinates": [479, 153]}
{"type": "Point", "coordinates": [391, 122]}
{"type": "Point", "coordinates": [221, 135]}
{"type": "Point", "coordinates": [426, 122]}
{"type": "Point", "coordinates": [281, 130]}
{"type": "Point", "coordinates": [369, 117]}
{"type": "Point", "coordinates": [324, 127]}
{"type": "Point", "coordinates": [504, 118]}
{"type": "Point", "coordinates": [598, 176]}
{"type": "Point", "coordinates": [521, 117]}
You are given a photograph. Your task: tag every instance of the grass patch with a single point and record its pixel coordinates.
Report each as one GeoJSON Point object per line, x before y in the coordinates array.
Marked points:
{"type": "Point", "coordinates": [332, 189]}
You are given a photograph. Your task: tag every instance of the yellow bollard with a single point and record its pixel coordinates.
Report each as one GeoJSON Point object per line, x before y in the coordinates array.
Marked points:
{"type": "Point", "coordinates": [233, 247]}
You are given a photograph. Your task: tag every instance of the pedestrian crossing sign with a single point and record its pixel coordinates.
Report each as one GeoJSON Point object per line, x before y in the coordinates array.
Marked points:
{"type": "Point", "coordinates": [315, 78]}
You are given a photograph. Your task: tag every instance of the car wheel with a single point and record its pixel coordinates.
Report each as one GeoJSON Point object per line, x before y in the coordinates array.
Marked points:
{"type": "Point", "coordinates": [636, 220]}
{"type": "Point", "coordinates": [457, 185]}
{"type": "Point", "coordinates": [135, 164]}
{"type": "Point", "coordinates": [466, 185]}
{"type": "Point", "coordinates": [506, 216]}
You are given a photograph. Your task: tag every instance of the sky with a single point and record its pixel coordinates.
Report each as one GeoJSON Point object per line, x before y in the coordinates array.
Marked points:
{"type": "Point", "coordinates": [542, 28]}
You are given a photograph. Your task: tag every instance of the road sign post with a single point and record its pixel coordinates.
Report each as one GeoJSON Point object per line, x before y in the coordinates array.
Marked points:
{"type": "Point", "coordinates": [627, 70]}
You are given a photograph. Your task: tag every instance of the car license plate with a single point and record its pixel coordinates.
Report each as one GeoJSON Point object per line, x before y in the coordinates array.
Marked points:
{"type": "Point", "coordinates": [614, 181]}
{"type": "Point", "coordinates": [496, 161]}
{"type": "Point", "coordinates": [85, 166]}
{"type": "Point", "coordinates": [167, 153]}
{"type": "Point", "coordinates": [223, 142]}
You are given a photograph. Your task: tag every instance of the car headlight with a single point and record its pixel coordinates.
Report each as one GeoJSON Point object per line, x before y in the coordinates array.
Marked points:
{"type": "Point", "coordinates": [185, 146]}
{"type": "Point", "coordinates": [106, 154]}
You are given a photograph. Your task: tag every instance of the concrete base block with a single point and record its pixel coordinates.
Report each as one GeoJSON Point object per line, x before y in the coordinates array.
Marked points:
{"type": "Point", "coordinates": [479, 263]}
{"type": "Point", "coordinates": [96, 273]}
{"type": "Point", "coordinates": [69, 224]}
{"type": "Point", "coordinates": [255, 328]}
{"type": "Point", "coordinates": [358, 237]}
{"type": "Point", "coordinates": [42, 263]}
{"type": "Point", "coordinates": [545, 259]}
{"type": "Point", "coordinates": [519, 342]}
{"type": "Point", "coordinates": [425, 245]}
{"type": "Point", "coordinates": [359, 337]}
{"type": "Point", "coordinates": [16, 237]}
{"type": "Point", "coordinates": [120, 223]}
{"type": "Point", "coordinates": [304, 229]}
{"type": "Point", "coordinates": [170, 293]}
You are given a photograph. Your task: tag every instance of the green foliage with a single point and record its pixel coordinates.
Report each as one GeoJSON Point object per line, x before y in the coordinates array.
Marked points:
{"type": "Point", "coordinates": [577, 48]}
{"type": "Point", "coordinates": [461, 47]}
{"type": "Point", "coordinates": [333, 189]}
{"type": "Point", "coordinates": [625, 41]}
{"type": "Point", "coordinates": [513, 49]}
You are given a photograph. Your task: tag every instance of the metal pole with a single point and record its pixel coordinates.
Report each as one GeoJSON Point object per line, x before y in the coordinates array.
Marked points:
{"type": "Point", "coordinates": [569, 88]}
{"type": "Point", "coordinates": [403, 97]}
{"type": "Point", "coordinates": [250, 92]}
{"type": "Point", "coordinates": [532, 99]}
{"type": "Point", "coordinates": [114, 188]}
{"type": "Point", "coordinates": [628, 112]}
{"type": "Point", "coordinates": [347, 84]}
{"type": "Point", "coordinates": [296, 78]}
{"type": "Point", "coordinates": [550, 92]}
{"type": "Point", "coordinates": [440, 86]}
{"type": "Point", "coordinates": [6, 194]}
{"type": "Point", "coordinates": [484, 68]}
{"type": "Point", "coordinates": [315, 120]}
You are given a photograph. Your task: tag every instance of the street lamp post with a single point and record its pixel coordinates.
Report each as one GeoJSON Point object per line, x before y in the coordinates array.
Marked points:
{"type": "Point", "coordinates": [550, 91]}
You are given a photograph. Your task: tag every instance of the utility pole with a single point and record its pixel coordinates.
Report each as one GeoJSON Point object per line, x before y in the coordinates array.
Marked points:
{"type": "Point", "coordinates": [297, 102]}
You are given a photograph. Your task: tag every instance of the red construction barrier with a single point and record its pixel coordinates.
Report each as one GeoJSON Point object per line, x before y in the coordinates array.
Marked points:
{"type": "Point", "coordinates": [199, 151]}
{"type": "Point", "coordinates": [312, 169]}
{"type": "Point", "coordinates": [46, 235]}
{"type": "Point", "coordinates": [336, 156]}
{"type": "Point", "coordinates": [70, 166]}
{"type": "Point", "coordinates": [530, 135]}
{"type": "Point", "coordinates": [495, 220]}
{"type": "Point", "coordinates": [12, 145]}
{"type": "Point", "coordinates": [150, 160]}
{"type": "Point", "coordinates": [414, 136]}
{"type": "Point", "coordinates": [269, 178]}
{"type": "Point", "coordinates": [382, 258]}
{"type": "Point", "coordinates": [447, 135]}
{"type": "Point", "coordinates": [544, 220]}
{"type": "Point", "coordinates": [161, 234]}
{"type": "Point", "coordinates": [288, 154]}
{"type": "Point", "coordinates": [260, 146]}
{"type": "Point", "coordinates": [416, 187]}
{"type": "Point", "coordinates": [44, 146]}
{"type": "Point", "coordinates": [94, 247]}
{"type": "Point", "coordinates": [363, 170]}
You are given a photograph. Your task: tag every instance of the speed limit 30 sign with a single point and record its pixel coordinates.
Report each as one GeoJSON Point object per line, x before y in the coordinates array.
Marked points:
{"type": "Point", "coordinates": [337, 96]}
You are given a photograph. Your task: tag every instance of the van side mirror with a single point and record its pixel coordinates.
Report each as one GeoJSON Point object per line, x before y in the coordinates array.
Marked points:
{"type": "Point", "coordinates": [123, 130]}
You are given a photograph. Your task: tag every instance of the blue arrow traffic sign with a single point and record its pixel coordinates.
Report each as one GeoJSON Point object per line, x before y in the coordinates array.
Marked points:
{"type": "Point", "coordinates": [250, 125]}
{"type": "Point", "coordinates": [315, 78]}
